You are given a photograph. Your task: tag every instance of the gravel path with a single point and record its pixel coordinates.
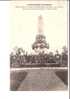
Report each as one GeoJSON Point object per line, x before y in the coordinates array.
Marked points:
{"type": "Point", "coordinates": [42, 80]}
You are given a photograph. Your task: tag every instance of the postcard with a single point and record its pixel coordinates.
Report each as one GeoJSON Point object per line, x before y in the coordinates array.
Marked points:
{"type": "Point", "coordinates": [39, 45]}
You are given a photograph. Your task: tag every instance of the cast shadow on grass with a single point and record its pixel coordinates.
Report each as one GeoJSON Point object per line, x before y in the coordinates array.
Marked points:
{"type": "Point", "coordinates": [16, 78]}
{"type": "Point", "coordinates": [63, 75]}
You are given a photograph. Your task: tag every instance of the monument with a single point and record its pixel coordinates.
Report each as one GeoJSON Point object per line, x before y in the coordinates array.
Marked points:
{"type": "Point", "coordinates": [40, 45]}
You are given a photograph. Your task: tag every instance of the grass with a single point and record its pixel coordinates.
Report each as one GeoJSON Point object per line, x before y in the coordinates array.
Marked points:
{"type": "Point", "coordinates": [16, 78]}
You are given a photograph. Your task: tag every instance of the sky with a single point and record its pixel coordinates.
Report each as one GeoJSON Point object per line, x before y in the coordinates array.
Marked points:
{"type": "Point", "coordinates": [23, 27]}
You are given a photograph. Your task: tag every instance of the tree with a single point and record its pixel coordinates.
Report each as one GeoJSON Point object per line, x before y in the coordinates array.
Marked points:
{"type": "Point", "coordinates": [51, 58]}
{"type": "Point", "coordinates": [65, 50]}
{"type": "Point", "coordinates": [57, 57]}
{"type": "Point", "coordinates": [64, 55]}
{"type": "Point", "coordinates": [20, 51]}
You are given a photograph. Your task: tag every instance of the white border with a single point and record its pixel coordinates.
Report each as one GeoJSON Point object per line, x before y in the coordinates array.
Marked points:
{"type": "Point", "coordinates": [4, 65]}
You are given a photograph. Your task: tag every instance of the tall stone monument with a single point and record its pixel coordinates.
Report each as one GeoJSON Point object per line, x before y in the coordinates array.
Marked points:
{"type": "Point", "coordinates": [40, 45]}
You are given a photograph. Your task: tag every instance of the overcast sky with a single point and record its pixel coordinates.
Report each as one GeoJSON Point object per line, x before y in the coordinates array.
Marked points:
{"type": "Point", "coordinates": [23, 27]}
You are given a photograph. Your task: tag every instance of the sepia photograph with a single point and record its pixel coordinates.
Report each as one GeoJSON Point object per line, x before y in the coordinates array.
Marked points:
{"type": "Point", "coordinates": [39, 45]}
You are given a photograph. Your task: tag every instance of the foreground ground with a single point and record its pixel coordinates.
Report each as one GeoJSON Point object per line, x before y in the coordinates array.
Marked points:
{"type": "Point", "coordinates": [38, 79]}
